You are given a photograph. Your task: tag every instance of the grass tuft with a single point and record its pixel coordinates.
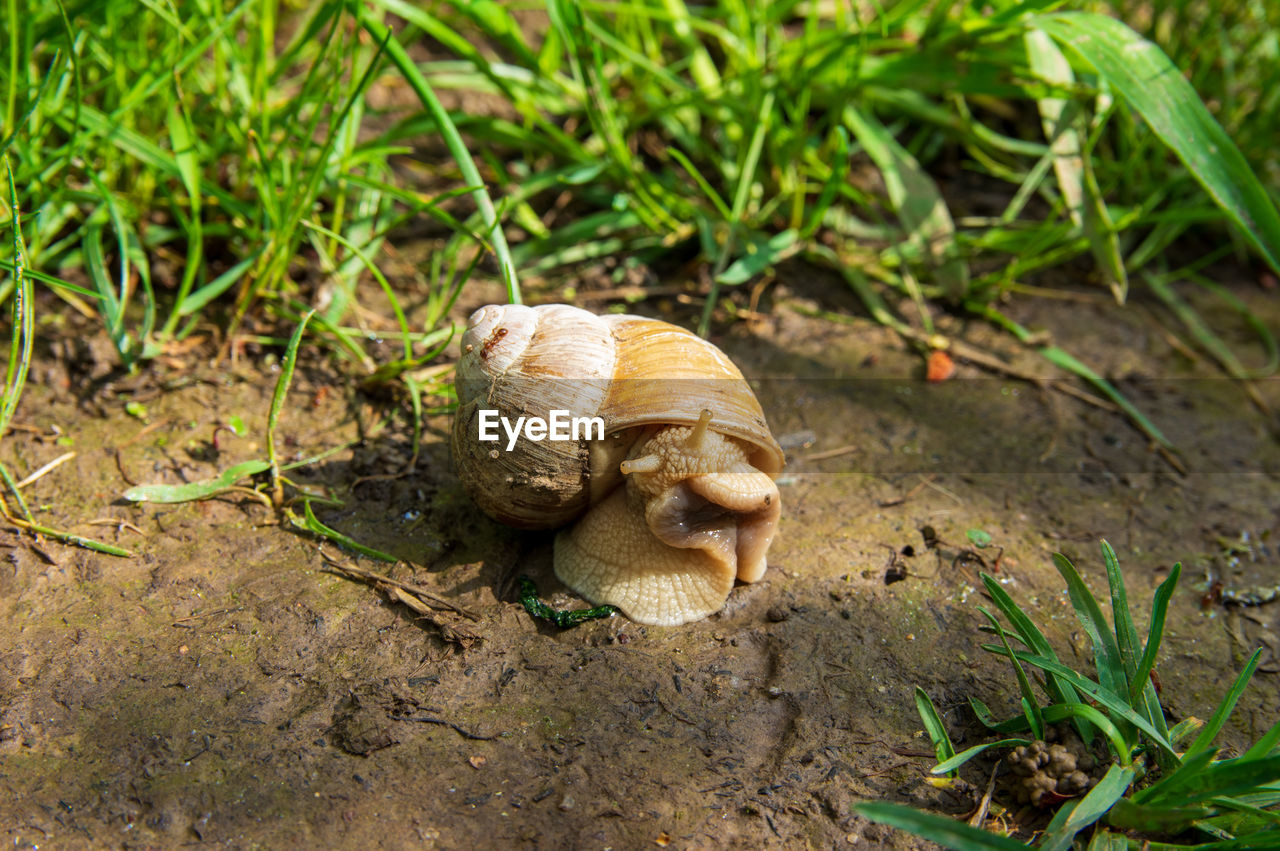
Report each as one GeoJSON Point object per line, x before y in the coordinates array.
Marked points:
{"type": "Point", "coordinates": [1151, 787]}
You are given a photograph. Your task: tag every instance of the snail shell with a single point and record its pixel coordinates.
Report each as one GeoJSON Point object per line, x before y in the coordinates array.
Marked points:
{"type": "Point", "coordinates": [698, 507]}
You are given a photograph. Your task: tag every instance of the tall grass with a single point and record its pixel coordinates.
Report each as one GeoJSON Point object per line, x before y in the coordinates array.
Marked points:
{"type": "Point", "coordinates": [194, 164]}
{"type": "Point", "coordinates": [748, 133]}
{"type": "Point", "coordinates": [201, 164]}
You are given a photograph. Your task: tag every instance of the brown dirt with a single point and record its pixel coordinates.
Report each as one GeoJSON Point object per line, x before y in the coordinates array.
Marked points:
{"type": "Point", "coordinates": [222, 687]}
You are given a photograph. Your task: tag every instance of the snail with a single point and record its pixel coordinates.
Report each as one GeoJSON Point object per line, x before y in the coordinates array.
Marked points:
{"type": "Point", "coordinates": [669, 486]}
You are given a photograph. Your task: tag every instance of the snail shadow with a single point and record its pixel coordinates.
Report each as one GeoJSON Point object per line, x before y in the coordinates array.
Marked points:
{"type": "Point", "coordinates": [424, 518]}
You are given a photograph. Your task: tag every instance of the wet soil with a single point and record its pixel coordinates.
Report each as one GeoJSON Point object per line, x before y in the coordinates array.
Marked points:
{"type": "Point", "coordinates": [222, 686]}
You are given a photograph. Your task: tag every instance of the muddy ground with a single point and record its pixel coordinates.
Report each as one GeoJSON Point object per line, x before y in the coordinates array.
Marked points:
{"type": "Point", "coordinates": [223, 687]}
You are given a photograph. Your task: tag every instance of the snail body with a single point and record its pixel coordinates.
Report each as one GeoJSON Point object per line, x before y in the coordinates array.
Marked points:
{"type": "Point", "coordinates": [672, 503]}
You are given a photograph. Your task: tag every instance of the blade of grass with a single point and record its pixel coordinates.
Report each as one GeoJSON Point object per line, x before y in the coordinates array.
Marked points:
{"type": "Point", "coordinates": [1225, 708]}
{"type": "Point", "coordinates": [77, 540]}
{"type": "Point", "coordinates": [1163, 819]}
{"type": "Point", "coordinates": [196, 301]}
{"type": "Point", "coordinates": [387, 289]}
{"type": "Point", "coordinates": [741, 196]}
{"type": "Point", "coordinates": [1066, 361]}
{"type": "Point", "coordinates": [1107, 657]}
{"type": "Point", "coordinates": [1058, 712]}
{"type": "Point", "coordinates": [1152, 85]}
{"type": "Point", "coordinates": [1159, 611]}
{"type": "Point", "coordinates": [1126, 633]}
{"type": "Point", "coordinates": [949, 766]}
{"type": "Point", "coordinates": [1016, 724]}
{"type": "Point", "coordinates": [1059, 690]}
{"type": "Point", "coordinates": [277, 404]}
{"type": "Point", "coordinates": [203, 489]}
{"type": "Point", "coordinates": [916, 201]}
{"type": "Point", "coordinates": [1219, 779]}
{"type": "Point", "coordinates": [1070, 820]}
{"type": "Point", "coordinates": [312, 524]}
{"type": "Point", "coordinates": [1029, 704]}
{"type": "Point", "coordinates": [16, 493]}
{"type": "Point", "coordinates": [933, 725]}
{"type": "Point", "coordinates": [830, 187]}
{"type": "Point", "coordinates": [186, 153]}
{"type": "Point", "coordinates": [1265, 745]}
{"type": "Point", "coordinates": [1105, 840]}
{"type": "Point", "coordinates": [457, 148]}
{"type": "Point", "coordinates": [940, 829]}
{"type": "Point", "coordinates": [1113, 703]}
{"type": "Point", "coordinates": [21, 314]}
{"type": "Point", "coordinates": [1167, 786]}
{"type": "Point", "coordinates": [1205, 336]}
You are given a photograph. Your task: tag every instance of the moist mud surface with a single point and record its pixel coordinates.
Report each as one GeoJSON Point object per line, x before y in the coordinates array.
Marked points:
{"type": "Point", "coordinates": [225, 686]}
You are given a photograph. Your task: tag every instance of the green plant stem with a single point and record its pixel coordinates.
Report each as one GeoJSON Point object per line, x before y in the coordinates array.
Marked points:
{"type": "Point", "coordinates": [457, 147]}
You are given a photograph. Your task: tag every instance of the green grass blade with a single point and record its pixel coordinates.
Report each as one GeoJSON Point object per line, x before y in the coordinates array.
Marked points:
{"type": "Point", "coordinates": [1059, 690]}
{"type": "Point", "coordinates": [191, 491]}
{"type": "Point", "coordinates": [1107, 658]}
{"type": "Point", "coordinates": [277, 404]}
{"type": "Point", "coordinates": [1265, 745]}
{"type": "Point", "coordinates": [87, 543]}
{"type": "Point", "coordinates": [457, 147]}
{"type": "Point", "coordinates": [1105, 840]}
{"type": "Point", "coordinates": [1226, 778]}
{"type": "Point", "coordinates": [761, 254]}
{"type": "Point", "coordinates": [1204, 335]}
{"type": "Point", "coordinates": [16, 493]}
{"type": "Point", "coordinates": [940, 829]}
{"type": "Point", "coordinates": [197, 300]}
{"type": "Point", "coordinates": [1266, 338]}
{"type": "Point", "coordinates": [1016, 724]}
{"type": "Point", "coordinates": [1063, 124]}
{"type": "Point", "coordinates": [1168, 787]}
{"type": "Point", "coordinates": [1225, 708]}
{"type": "Point", "coordinates": [21, 314]}
{"type": "Point", "coordinates": [948, 766]}
{"type": "Point", "coordinates": [186, 153]}
{"type": "Point", "coordinates": [839, 174]}
{"type": "Point", "coordinates": [1029, 704]}
{"type": "Point", "coordinates": [1065, 360]}
{"type": "Point", "coordinates": [1142, 676]}
{"type": "Point", "coordinates": [741, 197]}
{"type": "Point", "coordinates": [1181, 733]}
{"type": "Point", "coordinates": [1102, 797]}
{"type": "Point", "coordinates": [387, 289]}
{"type": "Point", "coordinates": [51, 281]}
{"type": "Point", "coordinates": [1059, 712]}
{"type": "Point", "coordinates": [1141, 74]}
{"type": "Point", "coordinates": [1061, 358]}
{"type": "Point", "coordinates": [707, 189]}
{"type": "Point", "coordinates": [1236, 817]}
{"type": "Point", "coordinates": [916, 200]}
{"type": "Point", "coordinates": [933, 725]}
{"type": "Point", "coordinates": [1126, 634]}
{"type": "Point", "coordinates": [1126, 814]}
{"type": "Point", "coordinates": [312, 524]}
{"type": "Point", "coordinates": [1141, 692]}
{"type": "Point", "coordinates": [1116, 704]}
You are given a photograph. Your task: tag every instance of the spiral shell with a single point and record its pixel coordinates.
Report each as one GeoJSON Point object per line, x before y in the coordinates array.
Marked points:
{"type": "Point", "coordinates": [631, 371]}
{"type": "Point", "coordinates": [671, 503]}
